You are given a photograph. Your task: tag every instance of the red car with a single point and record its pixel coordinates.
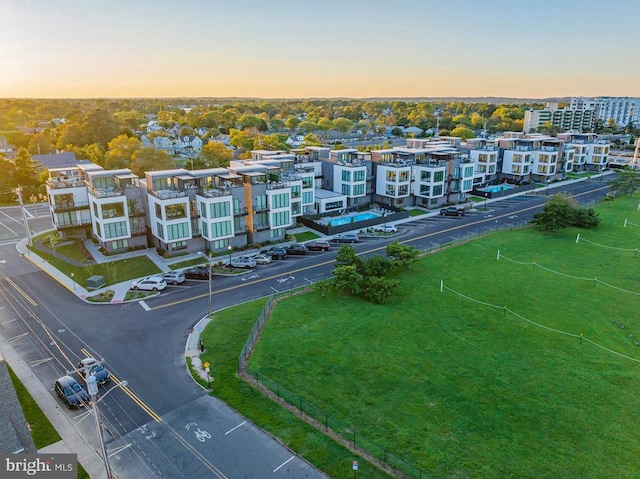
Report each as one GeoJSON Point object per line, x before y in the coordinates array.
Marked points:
{"type": "Point", "coordinates": [318, 245]}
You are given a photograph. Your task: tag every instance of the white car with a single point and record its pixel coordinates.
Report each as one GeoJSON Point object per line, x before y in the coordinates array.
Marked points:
{"type": "Point", "coordinates": [173, 277]}
{"type": "Point", "coordinates": [385, 229]}
{"type": "Point", "coordinates": [262, 259]}
{"type": "Point", "coordinates": [243, 262]}
{"type": "Point", "coordinates": [150, 283]}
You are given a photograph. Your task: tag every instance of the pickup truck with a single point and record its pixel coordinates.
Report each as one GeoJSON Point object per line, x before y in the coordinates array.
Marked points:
{"type": "Point", "coordinates": [452, 211]}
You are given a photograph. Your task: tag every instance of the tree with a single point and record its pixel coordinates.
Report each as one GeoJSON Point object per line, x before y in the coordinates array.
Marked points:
{"type": "Point", "coordinates": [347, 256]}
{"type": "Point", "coordinates": [379, 289]}
{"type": "Point", "coordinates": [216, 154]}
{"type": "Point", "coordinates": [40, 144]}
{"type": "Point", "coordinates": [627, 182]}
{"type": "Point", "coordinates": [343, 124]}
{"type": "Point", "coordinates": [403, 255]}
{"type": "Point", "coordinates": [463, 132]}
{"type": "Point", "coordinates": [120, 152]}
{"type": "Point", "coordinates": [99, 127]}
{"type": "Point", "coordinates": [308, 126]}
{"type": "Point", "coordinates": [272, 142]}
{"type": "Point", "coordinates": [311, 139]}
{"type": "Point", "coordinates": [325, 124]}
{"type": "Point", "coordinates": [71, 135]}
{"type": "Point", "coordinates": [25, 172]}
{"type": "Point", "coordinates": [241, 139]}
{"type": "Point", "coordinates": [558, 213]}
{"type": "Point", "coordinates": [276, 124]}
{"type": "Point", "coordinates": [292, 122]}
{"type": "Point", "coordinates": [252, 121]}
{"type": "Point", "coordinates": [150, 159]}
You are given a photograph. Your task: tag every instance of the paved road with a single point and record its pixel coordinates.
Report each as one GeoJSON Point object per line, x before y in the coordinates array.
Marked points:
{"type": "Point", "coordinates": [164, 423]}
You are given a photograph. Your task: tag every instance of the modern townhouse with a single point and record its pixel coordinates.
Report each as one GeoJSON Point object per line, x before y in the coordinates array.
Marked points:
{"type": "Point", "coordinates": [590, 152]}
{"type": "Point", "coordinates": [118, 209]}
{"type": "Point", "coordinates": [485, 156]}
{"type": "Point", "coordinates": [348, 172]}
{"type": "Point", "coordinates": [69, 200]}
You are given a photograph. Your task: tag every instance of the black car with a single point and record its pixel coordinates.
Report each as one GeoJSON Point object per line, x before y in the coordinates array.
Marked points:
{"type": "Point", "coordinates": [277, 253]}
{"type": "Point", "coordinates": [197, 272]}
{"type": "Point", "coordinates": [71, 392]}
{"type": "Point", "coordinates": [297, 249]}
{"type": "Point", "coordinates": [452, 211]}
{"type": "Point", "coordinates": [318, 245]}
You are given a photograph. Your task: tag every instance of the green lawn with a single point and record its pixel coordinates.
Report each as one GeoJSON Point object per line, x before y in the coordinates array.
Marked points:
{"type": "Point", "coordinates": [417, 212]}
{"type": "Point", "coordinates": [306, 236]}
{"type": "Point", "coordinates": [466, 390]}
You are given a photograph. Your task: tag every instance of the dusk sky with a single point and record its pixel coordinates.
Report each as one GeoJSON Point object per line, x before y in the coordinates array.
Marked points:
{"type": "Point", "coordinates": [323, 48]}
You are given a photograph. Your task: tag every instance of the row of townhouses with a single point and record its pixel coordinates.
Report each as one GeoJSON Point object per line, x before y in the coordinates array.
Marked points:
{"type": "Point", "coordinates": [255, 200]}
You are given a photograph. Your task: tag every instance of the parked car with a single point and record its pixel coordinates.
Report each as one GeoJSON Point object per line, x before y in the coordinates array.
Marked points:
{"type": "Point", "coordinates": [71, 393]}
{"type": "Point", "coordinates": [262, 259]}
{"type": "Point", "coordinates": [297, 249]}
{"type": "Point", "coordinates": [318, 245]}
{"type": "Point", "coordinates": [243, 262]}
{"type": "Point", "coordinates": [89, 367]}
{"type": "Point", "coordinates": [197, 272]}
{"type": "Point", "coordinates": [277, 253]}
{"type": "Point", "coordinates": [347, 238]}
{"type": "Point", "coordinates": [150, 283]}
{"type": "Point", "coordinates": [173, 277]}
{"type": "Point", "coordinates": [385, 229]}
{"type": "Point", "coordinates": [452, 211]}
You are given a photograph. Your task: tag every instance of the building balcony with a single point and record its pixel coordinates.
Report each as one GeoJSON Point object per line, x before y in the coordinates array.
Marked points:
{"type": "Point", "coordinates": [240, 212]}
{"type": "Point", "coordinates": [168, 194]}
{"type": "Point", "coordinates": [214, 192]}
{"type": "Point", "coordinates": [278, 185]}
{"type": "Point", "coordinates": [137, 213]}
{"type": "Point", "coordinates": [61, 206]}
{"type": "Point", "coordinates": [240, 231]}
{"type": "Point", "coordinates": [139, 232]}
{"type": "Point", "coordinates": [58, 183]}
{"type": "Point", "coordinates": [72, 224]}
{"type": "Point", "coordinates": [106, 192]}
{"type": "Point", "coordinates": [262, 227]}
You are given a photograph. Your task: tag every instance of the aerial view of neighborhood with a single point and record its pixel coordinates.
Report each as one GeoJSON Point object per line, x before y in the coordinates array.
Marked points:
{"type": "Point", "coordinates": [313, 240]}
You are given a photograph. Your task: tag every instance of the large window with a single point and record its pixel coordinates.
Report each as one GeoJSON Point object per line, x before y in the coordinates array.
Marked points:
{"type": "Point", "coordinates": [307, 182]}
{"type": "Point", "coordinates": [307, 197]}
{"type": "Point", "coordinates": [280, 200]}
{"type": "Point", "coordinates": [63, 201]}
{"type": "Point", "coordinates": [113, 230]}
{"type": "Point", "coordinates": [112, 210]}
{"type": "Point", "coordinates": [358, 190]}
{"type": "Point", "coordinates": [222, 228]}
{"type": "Point", "coordinates": [280, 218]}
{"type": "Point", "coordinates": [260, 202]}
{"type": "Point", "coordinates": [358, 175]}
{"type": "Point", "coordinates": [438, 176]}
{"type": "Point", "coordinates": [203, 210]}
{"type": "Point", "coordinates": [390, 190]}
{"type": "Point", "coordinates": [160, 230]}
{"type": "Point", "coordinates": [468, 171]}
{"type": "Point", "coordinates": [437, 190]}
{"type": "Point", "coordinates": [295, 191]}
{"type": "Point", "coordinates": [391, 175]}
{"type": "Point", "coordinates": [120, 244]}
{"type": "Point", "coordinates": [177, 231]}
{"type": "Point", "coordinates": [403, 175]}
{"type": "Point", "coordinates": [220, 210]}
{"type": "Point", "coordinates": [333, 205]}
{"type": "Point", "coordinates": [158, 211]}
{"type": "Point", "coordinates": [346, 176]}
{"type": "Point", "coordinates": [175, 212]}
{"type": "Point", "coordinates": [425, 175]}
{"type": "Point", "coordinates": [346, 190]}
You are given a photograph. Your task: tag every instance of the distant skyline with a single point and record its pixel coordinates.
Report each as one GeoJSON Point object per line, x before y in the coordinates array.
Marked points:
{"type": "Point", "coordinates": [323, 48]}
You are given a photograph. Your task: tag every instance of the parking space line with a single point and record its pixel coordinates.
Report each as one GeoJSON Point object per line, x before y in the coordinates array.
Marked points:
{"type": "Point", "coordinates": [239, 425]}
{"type": "Point", "coordinates": [285, 462]}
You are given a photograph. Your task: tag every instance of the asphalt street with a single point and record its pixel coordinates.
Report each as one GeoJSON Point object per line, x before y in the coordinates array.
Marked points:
{"type": "Point", "coordinates": [163, 423]}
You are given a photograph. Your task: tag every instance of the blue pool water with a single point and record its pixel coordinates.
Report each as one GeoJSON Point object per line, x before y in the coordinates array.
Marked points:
{"type": "Point", "coordinates": [343, 220]}
{"type": "Point", "coordinates": [496, 189]}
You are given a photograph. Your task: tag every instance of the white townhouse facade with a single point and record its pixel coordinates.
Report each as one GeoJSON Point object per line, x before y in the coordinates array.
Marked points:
{"type": "Point", "coordinates": [589, 152]}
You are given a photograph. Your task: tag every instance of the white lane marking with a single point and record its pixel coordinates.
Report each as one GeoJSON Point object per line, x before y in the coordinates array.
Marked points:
{"type": "Point", "coordinates": [144, 305]}
{"type": "Point", "coordinates": [119, 450]}
{"type": "Point", "coordinates": [283, 463]}
{"type": "Point", "coordinates": [239, 425]}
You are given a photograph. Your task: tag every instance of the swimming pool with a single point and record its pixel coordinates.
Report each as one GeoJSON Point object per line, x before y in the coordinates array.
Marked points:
{"type": "Point", "coordinates": [343, 220]}
{"type": "Point", "coordinates": [496, 189]}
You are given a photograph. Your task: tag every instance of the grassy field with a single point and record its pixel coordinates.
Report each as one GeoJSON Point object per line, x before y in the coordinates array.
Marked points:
{"type": "Point", "coordinates": [463, 389]}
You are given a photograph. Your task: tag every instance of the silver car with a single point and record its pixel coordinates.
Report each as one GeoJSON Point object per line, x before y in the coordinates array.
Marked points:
{"type": "Point", "coordinates": [173, 277]}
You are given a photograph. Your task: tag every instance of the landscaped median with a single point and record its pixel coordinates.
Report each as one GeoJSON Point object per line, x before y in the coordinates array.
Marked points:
{"type": "Point", "coordinates": [484, 365]}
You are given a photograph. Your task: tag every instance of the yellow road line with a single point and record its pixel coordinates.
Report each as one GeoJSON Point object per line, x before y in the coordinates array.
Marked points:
{"type": "Point", "coordinates": [22, 293]}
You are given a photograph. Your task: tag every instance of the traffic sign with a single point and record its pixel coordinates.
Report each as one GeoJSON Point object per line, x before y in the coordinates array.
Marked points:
{"type": "Point", "coordinates": [355, 465]}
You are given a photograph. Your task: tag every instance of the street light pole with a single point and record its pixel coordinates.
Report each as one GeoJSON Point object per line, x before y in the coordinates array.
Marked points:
{"type": "Point", "coordinates": [92, 386]}
{"type": "Point", "coordinates": [73, 280]}
{"type": "Point", "coordinates": [209, 298]}
{"type": "Point", "coordinates": [229, 248]}
{"type": "Point", "coordinates": [548, 181]}
{"type": "Point", "coordinates": [486, 194]}
{"type": "Point", "coordinates": [384, 215]}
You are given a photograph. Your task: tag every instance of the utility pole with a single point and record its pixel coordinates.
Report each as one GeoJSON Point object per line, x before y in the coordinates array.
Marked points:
{"type": "Point", "coordinates": [24, 216]}
{"type": "Point", "coordinates": [92, 386]}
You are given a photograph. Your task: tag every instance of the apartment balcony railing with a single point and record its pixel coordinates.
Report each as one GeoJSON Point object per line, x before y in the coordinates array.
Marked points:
{"type": "Point", "coordinates": [137, 212]}
{"type": "Point", "coordinates": [73, 224]}
{"type": "Point", "coordinates": [168, 194]}
{"type": "Point", "coordinates": [106, 192]}
{"type": "Point", "coordinates": [240, 212]}
{"type": "Point", "coordinates": [56, 183]}
{"type": "Point", "coordinates": [60, 206]}
{"type": "Point", "coordinates": [214, 192]}
{"type": "Point", "coordinates": [277, 185]}
{"type": "Point", "coordinates": [138, 232]}
{"type": "Point", "coordinates": [242, 230]}
{"type": "Point", "coordinates": [261, 227]}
